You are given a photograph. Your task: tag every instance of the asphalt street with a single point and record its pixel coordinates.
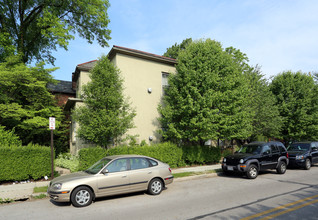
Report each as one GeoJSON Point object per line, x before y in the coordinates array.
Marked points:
{"type": "Point", "coordinates": [293, 195]}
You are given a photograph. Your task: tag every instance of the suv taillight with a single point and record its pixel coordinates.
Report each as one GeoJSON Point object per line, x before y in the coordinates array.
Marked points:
{"type": "Point", "coordinates": [287, 155]}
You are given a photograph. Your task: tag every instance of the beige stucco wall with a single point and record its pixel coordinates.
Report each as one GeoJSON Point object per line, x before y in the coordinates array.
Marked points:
{"type": "Point", "coordinates": [139, 75]}
{"type": "Point", "coordinates": [83, 79]}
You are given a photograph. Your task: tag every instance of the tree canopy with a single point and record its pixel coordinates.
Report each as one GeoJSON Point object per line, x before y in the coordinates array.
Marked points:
{"type": "Point", "coordinates": [297, 102]}
{"type": "Point", "coordinates": [267, 121]}
{"type": "Point", "coordinates": [208, 97]}
{"type": "Point", "coordinates": [37, 27]}
{"type": "Point", "coordinates": [106, 115]}
{"type": "Point", "coordinates": [25, 102]}
{"type": "Point", "coordinates": [175, 49]}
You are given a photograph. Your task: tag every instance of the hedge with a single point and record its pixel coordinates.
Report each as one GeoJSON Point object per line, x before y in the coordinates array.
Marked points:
{"type": "Point", "coordinates": [88, 156]}
{"type": "Point", "coordinates": [166, 152]}
{"type": "Point", "coordinates": [23, 163]}
{"type": "Point", "coordinates": [201, 154]}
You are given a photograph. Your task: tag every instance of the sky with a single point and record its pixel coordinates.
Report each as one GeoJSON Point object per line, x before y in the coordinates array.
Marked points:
{"type": "Point", "coordinates": [278, 35]}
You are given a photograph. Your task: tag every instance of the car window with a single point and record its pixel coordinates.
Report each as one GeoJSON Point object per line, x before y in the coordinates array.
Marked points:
{"type": "Point", "coordinates": [251, 149]}
{"type": "Point", "coordinates": [117, 166]}
{"type": "Point", "coordinates": [274, 149]}
{"type": "Point", "coordinates": [266, 149]}
{"type": "Point", "coordinates": [153, 162]}
{"type": "Point", "coordinates": [96, 167]}
{"type": "Point", "coordinates": [138, 163]}
{"type": "Point", "coordinates": [299, 147]}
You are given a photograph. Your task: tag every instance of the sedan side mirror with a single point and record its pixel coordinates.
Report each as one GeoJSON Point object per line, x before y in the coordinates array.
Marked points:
{"type": "Point", "coordinates": [105, 171]}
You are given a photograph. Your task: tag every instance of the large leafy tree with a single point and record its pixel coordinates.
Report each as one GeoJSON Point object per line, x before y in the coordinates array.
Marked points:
{"type": "Point", "coordinates": [25, 102]}
{"type": "Point", "coordinates": [297, 102]}
{"type": "Point", "coordinates": [267, 121]}
{"type": "Point", "coordinates": [36, 27]}
{"type": "Point", "coordinates": [208, 97]}
{"type": "Point", "coordinates": [106, 115]}
{"type": "Point", "coordinates": [175, 49]}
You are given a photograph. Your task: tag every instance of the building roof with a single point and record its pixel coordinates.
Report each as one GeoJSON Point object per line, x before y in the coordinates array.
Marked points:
{"type": "Point", "coordinates": [61, 87]}
{"type": "Point", "coordinates": [141, 54]}
{"type": "Point", "coordinates": [127, 51]}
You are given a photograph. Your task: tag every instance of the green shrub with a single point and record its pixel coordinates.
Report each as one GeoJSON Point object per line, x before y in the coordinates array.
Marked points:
{"type": "Point", "coordinates": [68, 161]}
{"type": "Point", "coordinates": [22, 163]}
{"type": "Point", "coordinates": [201, 154]}
{"type": "Point", "coordinates": [227, 152]}
{"type": "Point", "coordinates": [9, 138]}
{"type": "Point", "coordinates": [166, 152]}
{"type": "Point", "coordinates": [88, 156]}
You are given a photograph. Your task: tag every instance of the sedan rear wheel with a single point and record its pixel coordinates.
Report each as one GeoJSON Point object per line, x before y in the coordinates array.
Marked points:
{"type": "Point", "coordinates": [82, 196]}
{"type": "Point", "coordinates": [155, 187]}
{"type": "Point", "coordinates": [307, 164]}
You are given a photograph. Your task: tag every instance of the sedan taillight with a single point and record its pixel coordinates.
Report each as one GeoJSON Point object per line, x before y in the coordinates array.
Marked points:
{"type": "Point", "coordinates": [169, 169]}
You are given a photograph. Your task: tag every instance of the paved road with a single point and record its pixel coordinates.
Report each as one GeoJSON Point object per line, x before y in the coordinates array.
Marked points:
{"type": "Point", "coordinates": [221, 197]}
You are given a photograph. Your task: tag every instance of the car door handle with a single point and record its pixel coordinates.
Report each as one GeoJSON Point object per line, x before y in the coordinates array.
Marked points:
{"type": "Point", "coordinates": [150, 172]}
{"type": "Point", "coordinates": [124, 176]}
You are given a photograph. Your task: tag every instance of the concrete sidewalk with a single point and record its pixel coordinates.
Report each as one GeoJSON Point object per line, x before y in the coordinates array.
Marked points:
{"type": "Point", "coordinates": [22, 191]}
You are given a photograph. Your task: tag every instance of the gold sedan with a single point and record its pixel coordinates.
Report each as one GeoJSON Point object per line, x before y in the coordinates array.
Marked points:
{"type": "Point", "coordinates": [111, 176]}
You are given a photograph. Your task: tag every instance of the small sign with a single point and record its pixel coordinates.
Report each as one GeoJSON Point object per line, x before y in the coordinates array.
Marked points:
{"type": "Point", "coordinates": [52, 123]}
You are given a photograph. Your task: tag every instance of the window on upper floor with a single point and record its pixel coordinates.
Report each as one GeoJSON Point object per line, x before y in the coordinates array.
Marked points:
{"type": "Point", "coordinates": [164, 82]}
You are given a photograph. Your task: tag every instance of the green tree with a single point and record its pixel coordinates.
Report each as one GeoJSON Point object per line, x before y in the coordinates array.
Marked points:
{"type": "Point", "coordinates": [267, 121]}
{"type": "Point", "coordinates": [106, 115]}
{"type": "Point", "coordinates": [296, 95]}
{"type": "Point", "coordinates": [207, 98]}
{"type": "Point", "coordinates": [25, 102]}
{"type": "Point", "coordinates": [174, 51]}
{"type": "Point", "coordinates": [7, 48]}
{"type": "Point", "coordinates": [37, 27]}
{"type": "Point", "coordinates": [8, 138]}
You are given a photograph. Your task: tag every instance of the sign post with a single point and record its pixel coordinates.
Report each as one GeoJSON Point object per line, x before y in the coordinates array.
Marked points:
{"type": "Point", "coordinates": [52, 127]}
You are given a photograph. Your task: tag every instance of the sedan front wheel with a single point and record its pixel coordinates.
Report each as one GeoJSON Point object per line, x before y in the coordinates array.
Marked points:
{"type": "Point", "coordinates": [82, 196]}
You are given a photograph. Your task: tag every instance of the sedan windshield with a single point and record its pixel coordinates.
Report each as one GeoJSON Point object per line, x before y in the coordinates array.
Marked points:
{"type": "Point", "coordinates": [299, 147]}
{"type": "Point", "coordinates": [98, 166]}
{"type": "Point", "coordinates": [250, 149]}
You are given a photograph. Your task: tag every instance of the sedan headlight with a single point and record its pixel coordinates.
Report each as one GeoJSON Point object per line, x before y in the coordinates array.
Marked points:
{"type": "Point", "coordinates": [241, 161]}
{"type": "Point", "coordinates": [57, 186]}
{"type": "Point", "coordinates": [300, 157]}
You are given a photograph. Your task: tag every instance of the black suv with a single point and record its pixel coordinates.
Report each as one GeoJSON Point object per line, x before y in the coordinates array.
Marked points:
{"type": "Point", "coordinates": [257, 156]}
{"type": "Point", "coordinates": [303, 154]}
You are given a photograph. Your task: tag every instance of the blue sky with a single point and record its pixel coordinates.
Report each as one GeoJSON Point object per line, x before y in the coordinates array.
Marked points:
{"type": "Point", "coordinates": [278, 35]}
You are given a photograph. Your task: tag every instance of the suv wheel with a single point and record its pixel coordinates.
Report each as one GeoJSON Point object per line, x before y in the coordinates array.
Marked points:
{"type": "Point", "coordinates": [307, 164]}
{"type": "Point", "coordinates": [252, 172]}
{"type": "Point", "coordinates": [281, 169]}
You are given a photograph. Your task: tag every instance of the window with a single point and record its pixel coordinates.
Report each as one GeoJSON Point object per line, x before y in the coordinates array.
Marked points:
{"type": "Point", "coordinates": [164, 81]}
{"type": "Point", "coordinates": [274, 149]}
{"type": "Point", "coordinates": [153, 163]}
{"type": "Point", "coordinates": [138, 163]}
{"type": "Point", "coordinates": [117, 166]}
{"type": "Point", "coordinates": [266, 149]}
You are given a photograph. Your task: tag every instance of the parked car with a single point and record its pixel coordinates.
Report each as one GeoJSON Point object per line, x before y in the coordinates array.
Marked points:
{"type": "Point", "coordinates": [303, 154]}
{"type": "Point", "coordinates": [255, 157]}
{"type": "Point", "coordinates": [111, 176]}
